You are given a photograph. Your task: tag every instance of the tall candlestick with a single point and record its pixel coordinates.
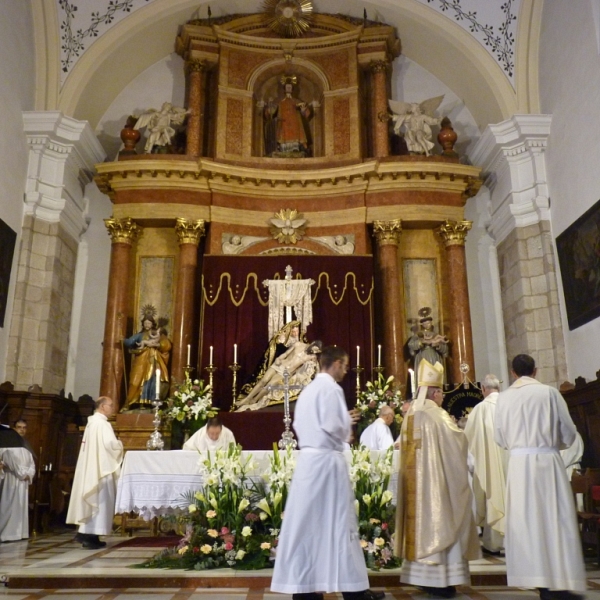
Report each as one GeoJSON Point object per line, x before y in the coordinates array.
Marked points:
{"type": "Point", "coordinates": [157, 384]}
{"type": "Point", "coordinates": [412, 383]}
{"type": "Point", "coordinates": [379, 355]}
{"type": "Point", "coordinates": [235, 354]}
{"type": "Point", "coordinates": [358, 356]}
{"type": "Point", "coordinates": [211, 356]}
{"type": "Point", "coordinates": [188, 362]}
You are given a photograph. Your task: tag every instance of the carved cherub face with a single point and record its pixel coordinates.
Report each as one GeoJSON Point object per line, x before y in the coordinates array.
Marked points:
{"type": "Point", "coordinates": [339, 240]}
{"type": "Point", "coordinates": [236, 240]}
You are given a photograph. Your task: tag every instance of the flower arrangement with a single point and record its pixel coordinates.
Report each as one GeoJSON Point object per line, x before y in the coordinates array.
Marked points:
{"type": "Point", "coordinates": [191, 402]}
{"type": "Point", "coordinates": [377, 394]}
{"type": "Point", "coordinates": [235, 522]}
{"type": "Point", "coordinates": [374, 508]}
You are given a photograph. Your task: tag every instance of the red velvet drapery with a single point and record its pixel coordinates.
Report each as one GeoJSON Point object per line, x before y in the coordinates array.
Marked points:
{"type": "Point", "coordinates": [234, 311]}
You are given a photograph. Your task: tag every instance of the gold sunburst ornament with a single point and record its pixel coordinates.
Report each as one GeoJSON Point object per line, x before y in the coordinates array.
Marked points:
{"type": "Point", "coordinates": [289, 18]}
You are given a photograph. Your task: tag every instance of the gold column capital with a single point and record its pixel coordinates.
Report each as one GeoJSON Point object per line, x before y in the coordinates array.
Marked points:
{"type": "Point", "coordinates": [190, 232]}
{"type": "Point", "coordinates": [454, 233]}
{"type": "Point", "coordinates": [123, 231]}
{"type": "Point", "coordinates": [196, 65]}
{"type": "Point", "coordinates": [379, 66]}
{"type": "Point", "coordinates": [387, 232]}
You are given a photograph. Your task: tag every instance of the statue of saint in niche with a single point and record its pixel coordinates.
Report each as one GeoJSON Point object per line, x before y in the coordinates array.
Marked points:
{"type": "Point", "coordinates": [286, 131]}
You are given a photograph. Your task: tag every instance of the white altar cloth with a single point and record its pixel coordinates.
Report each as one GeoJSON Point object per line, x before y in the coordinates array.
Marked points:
{"type": "Point", "coordinates": [153, 483]}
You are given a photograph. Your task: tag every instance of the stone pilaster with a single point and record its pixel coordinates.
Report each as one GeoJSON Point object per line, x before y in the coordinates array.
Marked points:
{"type": "Point", "coordinates": [196, 70]}
{"type": "Point", "coordinates": [62, 153]}
{"type": "Point", "coordinates": [189, 234]}
{"type": "Point", "coordinates": [512, 152]}
{"type": "Point", "coordinates": [387, 236]}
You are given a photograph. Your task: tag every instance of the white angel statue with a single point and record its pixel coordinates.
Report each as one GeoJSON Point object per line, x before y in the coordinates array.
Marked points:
{"type": "Point", "coordinates": [158, 124]}
{"type": "Point", "coordinates": [417, 119]}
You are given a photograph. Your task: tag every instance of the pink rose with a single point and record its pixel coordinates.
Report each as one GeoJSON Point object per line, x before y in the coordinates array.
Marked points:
{"type": "Point", "coordinates": [224, 530]}
{"type": "Point", "coordinates": [384, 526]}
{"type": "Point", "coordinates": [228, 546]}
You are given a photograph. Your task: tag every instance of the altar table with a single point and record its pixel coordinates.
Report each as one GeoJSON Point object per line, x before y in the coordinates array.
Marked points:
{"type": "Point", "coordinates": [153, 483]}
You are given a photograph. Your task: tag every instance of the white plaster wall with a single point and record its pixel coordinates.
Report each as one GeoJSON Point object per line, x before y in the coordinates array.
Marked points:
{"type": "Point", "coordinates": [570, 92]}
{"type": "Point", "coordinates": [89, 299]}
{"type": "Point", "coordinates": [17, 90]}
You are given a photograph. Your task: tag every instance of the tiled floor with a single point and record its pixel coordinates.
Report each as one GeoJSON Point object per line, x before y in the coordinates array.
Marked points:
{"type": "Point", "coordinates": [54, 567]}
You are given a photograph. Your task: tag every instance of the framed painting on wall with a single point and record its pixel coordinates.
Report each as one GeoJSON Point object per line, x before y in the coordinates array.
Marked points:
{"type": "Point", "coordinates": [8, 237]}
{"type": "Point", "coordinates": [578, 249]}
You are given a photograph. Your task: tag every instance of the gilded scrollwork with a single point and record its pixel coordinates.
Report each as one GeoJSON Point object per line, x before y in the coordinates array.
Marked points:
{"type": "Point", "coordinates": [454, 233]}
{"type": "Point", "coordinates": [123, 231]}
{"type": "Point", "coordinates": [189, 232]}
{"type": "Point", "coordinates": [387, 232]}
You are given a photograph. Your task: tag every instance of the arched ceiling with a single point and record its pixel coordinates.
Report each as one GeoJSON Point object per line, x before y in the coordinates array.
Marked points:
{"type": "Point", "coordinates": [87, 51]}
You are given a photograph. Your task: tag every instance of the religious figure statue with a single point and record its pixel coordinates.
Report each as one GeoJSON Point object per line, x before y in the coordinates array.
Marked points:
{"type": "Point", "coordinates": [425, 343]}
{"type": "Point", "coordinates": [417, 120]}
{"type": "Point", "coordinates": [150, 348]}
{"type": "Point", "coordinates": [233, 243]}
{"type": "Point", "coordinates": [300, 361]}
{"type": "Point", "coordinates": [158, 124]}
{"type": "Point", "coordinates": [286, 124]}
{"type": "Point", "coordinates": [340, 244]}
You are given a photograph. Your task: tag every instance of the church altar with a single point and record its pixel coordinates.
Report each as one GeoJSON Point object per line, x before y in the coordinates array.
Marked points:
{"type": "Point", "coordinates": [152, 484]}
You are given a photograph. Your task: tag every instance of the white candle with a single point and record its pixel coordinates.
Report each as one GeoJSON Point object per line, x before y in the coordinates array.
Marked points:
{"type": "Point", "coordinates": [211, 356]}
{"type": "Point", "coordinates": [188, 362]}
{"type": "Point", "coordinates": [157, 384]}
{"type": "Point", "coordinates": [379, 355]}
{"type": "Point", "coordinates": [412, 382]}
{"type": "Point", "coordinates": [235, 354]}
{"type": "Point", "coordinates": [358, 356]}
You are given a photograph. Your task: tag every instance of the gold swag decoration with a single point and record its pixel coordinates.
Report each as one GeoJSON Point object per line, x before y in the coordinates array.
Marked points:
{"type": "Point", "coordinates": [289, 18]}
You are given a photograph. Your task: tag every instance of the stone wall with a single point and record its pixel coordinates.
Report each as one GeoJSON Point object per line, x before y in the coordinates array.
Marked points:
{"type": "Point", "coordinates": [39, 336]}
{"type": "Point", "coordinates": [532, 322]}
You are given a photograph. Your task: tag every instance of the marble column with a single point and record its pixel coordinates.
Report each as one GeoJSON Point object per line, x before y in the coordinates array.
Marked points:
{"type": "Point", "coordinates": [387, 237]}
{"type": "Point", "coordinates": [124, 233]}
{"type": "Point", "coordinates": [195, 103]}
{"type": "Point", "coordinates": [379, 108]}
{"type": "Point", "coordinates": [189, 234]}
{"type": "Point", "coordinates": [453, 235]}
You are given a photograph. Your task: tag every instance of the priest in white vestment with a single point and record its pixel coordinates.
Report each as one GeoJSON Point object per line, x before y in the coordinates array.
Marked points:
{"type": "Point", "coordinates": [435, 529]}
{"type": "Point", "coordinates": [319, 547]}
{"type": "Point", "coordinates": [377, 436]}
{"type": "Point", "coordinates": [572, 456]}
{"type": "Point", "coordinates": [92, 505]}
{"type": "Point", "coordinates": [543, 545]}
{"type": "Point", "coordinates": [213, 436]}
{"type": "Point", "coordinates": [19, 470]}
{"type": "Point", "coordinates": [490, 463]}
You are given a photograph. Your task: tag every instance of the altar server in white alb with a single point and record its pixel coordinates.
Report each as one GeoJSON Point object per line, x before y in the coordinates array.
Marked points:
{"type": "Point", "coordinates": [490, 465]}
{"type": "Point", "coordinates": [319, 548]}
{"type": "Point", "coordinates": [377, 436]}
{"type": "Point", "coordinates": [543, 546]}
{"type": "Point", "coordinates": [435, 529]}
{"type": "Point", "coordinates": [15, 478]}
{"type": "Point", "coordinates": [92, 505]}
{"type": "Point", "coordinates": [213, 436]}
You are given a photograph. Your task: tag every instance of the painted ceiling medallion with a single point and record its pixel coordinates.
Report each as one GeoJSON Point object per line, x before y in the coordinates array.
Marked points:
{"type": "Point", "coordinates": [290, 18]}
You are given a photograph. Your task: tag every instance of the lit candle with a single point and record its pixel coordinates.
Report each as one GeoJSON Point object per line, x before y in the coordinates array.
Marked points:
{"type": "Point", "coordinates": [358, 356]}
{"type": "Point", "coordinates": [211, 356]}
{"type": "Point", "coordinates": [379, 355]}
{"type": "Point", "coordinates": [235, 354]}
{"type": "Point", "coordinates": [158, 384]}
{"type": "Point", "coordinates": [188, 362]}
{"type": "Point", "coordinates": [412, 382]}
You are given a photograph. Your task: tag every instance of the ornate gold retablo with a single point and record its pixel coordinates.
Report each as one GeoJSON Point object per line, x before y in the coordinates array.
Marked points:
{"type": "Point", "coordinates": [289, 18]}
{"type": "Point", "coordinates": [122, 231]}
{"type": "Point", "coordinates": [454, 233]}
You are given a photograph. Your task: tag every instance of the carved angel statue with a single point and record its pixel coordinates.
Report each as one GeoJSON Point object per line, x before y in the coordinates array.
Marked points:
{"type": "Point", "coordinates": [158, 124]}
{"type": "Point", "coordinates": [287, 226]}
{"type": "Point", "coordinates": [417, 120]}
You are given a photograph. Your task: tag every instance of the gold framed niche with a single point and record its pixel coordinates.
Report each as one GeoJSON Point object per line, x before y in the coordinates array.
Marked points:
{"type": "Point", "coordinates": [309, 88]}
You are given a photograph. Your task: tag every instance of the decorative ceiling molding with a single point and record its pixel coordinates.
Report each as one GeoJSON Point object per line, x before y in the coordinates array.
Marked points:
{"type": "Point", "coordinates": [492, 24]}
